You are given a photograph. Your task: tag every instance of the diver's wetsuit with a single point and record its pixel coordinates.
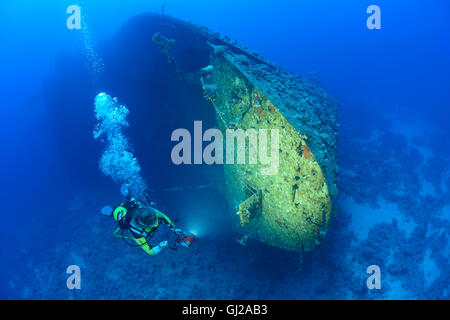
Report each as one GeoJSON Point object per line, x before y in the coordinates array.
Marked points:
{"type": "Point", "coordinates": [141, 233]}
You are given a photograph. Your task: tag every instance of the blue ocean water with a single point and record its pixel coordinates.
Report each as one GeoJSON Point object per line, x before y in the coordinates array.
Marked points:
{"type": "Point", "coordinates": [393, 209]}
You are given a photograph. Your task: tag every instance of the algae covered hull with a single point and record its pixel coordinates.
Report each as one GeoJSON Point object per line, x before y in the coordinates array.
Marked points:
{"type": "Point", "coordinates": [292, 207]}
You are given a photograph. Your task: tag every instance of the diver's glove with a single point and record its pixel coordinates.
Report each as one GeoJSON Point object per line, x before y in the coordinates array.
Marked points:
{"type": "Point", "coordinates": [160, 247]}
{"type": "Point", "coordinates": [174, 229]}
{"type": "Point", "coordinates": [163, 244]}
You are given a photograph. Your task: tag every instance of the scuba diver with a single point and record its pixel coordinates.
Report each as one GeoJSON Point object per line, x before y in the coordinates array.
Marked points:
{"type": "Point", "coordinates": [142, 221]}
